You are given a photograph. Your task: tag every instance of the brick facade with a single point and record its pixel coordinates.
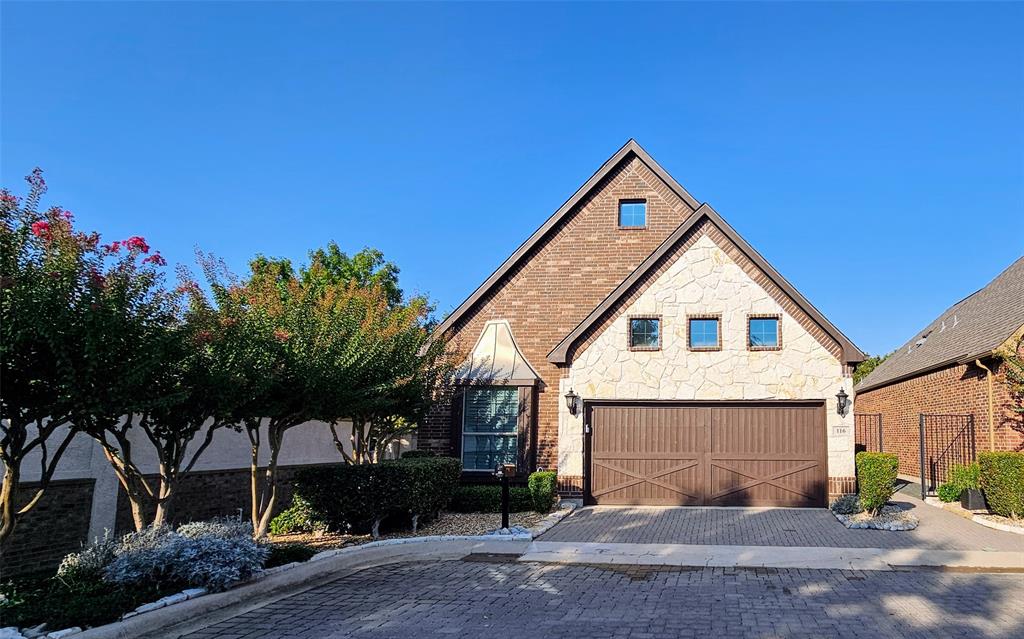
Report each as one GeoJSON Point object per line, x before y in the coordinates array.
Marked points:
{"type": "Point", "coordinates": [56, 526]}
{"type": "Point", "coordinates": [562, 279]}
{"type": "Point", "coordinates": [961, 389]}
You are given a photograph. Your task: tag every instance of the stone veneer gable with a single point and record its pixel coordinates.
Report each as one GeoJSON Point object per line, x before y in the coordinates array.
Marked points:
{"type": "Point", "coordinates": [705, 279]}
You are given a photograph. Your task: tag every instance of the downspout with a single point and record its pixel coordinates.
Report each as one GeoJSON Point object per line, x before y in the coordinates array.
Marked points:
{"type": "Point", "coordinates": [991, 428]}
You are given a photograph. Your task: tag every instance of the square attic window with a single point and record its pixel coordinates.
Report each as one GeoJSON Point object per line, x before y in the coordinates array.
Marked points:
{"type": "Point", "coordinates": [632, 214]}
{"type": "Point", "coordinates": [645, 333]}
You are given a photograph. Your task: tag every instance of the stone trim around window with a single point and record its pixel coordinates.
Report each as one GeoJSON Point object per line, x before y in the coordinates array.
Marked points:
{"type": "Point", "coordinates": [629, 332]}
{"type": "Point", "coordinates": [700, 316]}
{"type": "Point", "coordinates": [778, 327]}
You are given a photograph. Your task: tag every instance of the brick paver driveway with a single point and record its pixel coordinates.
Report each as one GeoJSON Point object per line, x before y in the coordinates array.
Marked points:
{"type": "Point", "coordinates": [486, 600]}
{"type": "Point", "coordinates": [939, 529]}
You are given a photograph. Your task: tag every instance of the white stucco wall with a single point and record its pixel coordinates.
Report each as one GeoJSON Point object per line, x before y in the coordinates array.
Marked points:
{"type": "Point", "coordinates": [706, 280]}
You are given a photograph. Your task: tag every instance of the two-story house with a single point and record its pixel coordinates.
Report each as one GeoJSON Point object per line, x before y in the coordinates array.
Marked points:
{"type": "Point", "coordinates": [637, 344]}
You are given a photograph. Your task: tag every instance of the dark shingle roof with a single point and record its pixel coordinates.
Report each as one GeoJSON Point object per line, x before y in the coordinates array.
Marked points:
{"type": "Point", "coordinates": [973, 327]}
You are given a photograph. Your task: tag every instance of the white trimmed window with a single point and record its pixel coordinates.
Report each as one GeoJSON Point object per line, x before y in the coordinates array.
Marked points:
{"type": "Point", "coordinates": [490, 427]}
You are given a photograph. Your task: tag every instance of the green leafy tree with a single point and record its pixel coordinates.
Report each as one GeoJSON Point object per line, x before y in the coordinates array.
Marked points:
{"type": "Point", "coordinates": [366, 269]}
{"type": "Point", "coordinates": [1012, 355]}
{"type": "Point", "coordinates": [868, 365]}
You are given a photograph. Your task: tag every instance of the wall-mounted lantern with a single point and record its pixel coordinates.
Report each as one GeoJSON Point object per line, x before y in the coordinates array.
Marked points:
{"type": "Point", "coordinates": [842, 403]}
{"type": "Point", "coordinates": [571, 402]}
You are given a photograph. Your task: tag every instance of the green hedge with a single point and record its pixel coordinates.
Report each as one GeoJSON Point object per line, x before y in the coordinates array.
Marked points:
{"type": "Point", "coordinates": [543, 487]}
{"type": "Point", "coordinates": [1002, 479]}
{"type": "Point", "coordinates": [876, 479]}
{"type": "Point", "coordinates": [358, 498]}
{"type": "Point", "coordinates": [487, 499]}
{"type": "Point", "coordinates": [961, 478]}
{"type": "Point", "coordinates": [418, 454]}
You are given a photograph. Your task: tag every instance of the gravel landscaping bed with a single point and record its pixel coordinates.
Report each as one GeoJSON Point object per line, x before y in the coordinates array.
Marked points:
{"type": "Point", "coordinates": [446, 524]}
{"type": "Point", "coordinates": [892, 517]}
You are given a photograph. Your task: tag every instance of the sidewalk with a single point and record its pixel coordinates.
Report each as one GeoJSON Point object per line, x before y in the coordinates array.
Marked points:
{"type": "Point", "coordinates": [809, 557]}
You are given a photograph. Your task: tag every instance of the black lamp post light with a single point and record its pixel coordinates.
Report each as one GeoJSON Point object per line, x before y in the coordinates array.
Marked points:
{"type": "Point", "coordinates": [571, 402]}
{"type": "Point", "coordinates": [842, 403]}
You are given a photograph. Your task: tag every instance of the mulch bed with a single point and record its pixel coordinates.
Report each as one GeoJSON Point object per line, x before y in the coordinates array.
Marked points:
{"type": "Point", "coordinates": [446, 524]}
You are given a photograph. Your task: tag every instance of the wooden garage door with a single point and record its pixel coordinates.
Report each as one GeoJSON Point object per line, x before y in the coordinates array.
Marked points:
{"type": "Point", "coordinates": [713, 455]}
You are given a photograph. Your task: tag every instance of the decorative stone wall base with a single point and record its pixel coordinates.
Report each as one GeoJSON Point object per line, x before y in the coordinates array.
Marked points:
{"type": "Point", "coordinates": [839, 486]}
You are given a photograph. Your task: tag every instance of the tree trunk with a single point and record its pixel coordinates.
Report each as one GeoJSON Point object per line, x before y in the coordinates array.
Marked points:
{"type": "Point", "coordinates": [8, 518]}
{"type": "Point", "coordinates": [254, 481]}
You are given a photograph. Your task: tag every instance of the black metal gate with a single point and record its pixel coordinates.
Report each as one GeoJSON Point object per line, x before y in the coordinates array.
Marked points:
{"type": "Point", "coordinates": [867, 432]}
{"type": "Point", "coordinates": [945, 441]}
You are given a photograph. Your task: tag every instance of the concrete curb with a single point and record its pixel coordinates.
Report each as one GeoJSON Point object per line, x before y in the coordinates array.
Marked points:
{"type": "Point", "coordinates": [174, 621]}
{"type": "Point", "coordinates": [1017, 530]}
{"type": "Point", "coordinates": [768, 556]}
{"type": "Point", "coordinates": [546, 524]}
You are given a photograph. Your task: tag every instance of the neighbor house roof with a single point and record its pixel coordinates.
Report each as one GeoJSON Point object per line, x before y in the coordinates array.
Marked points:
{"type": "Point", "coordinates": [973, 327]}
{"type": "Point", "coordinates": [629, 149]}
{"type": "Point", "coordinates": [560, 354]}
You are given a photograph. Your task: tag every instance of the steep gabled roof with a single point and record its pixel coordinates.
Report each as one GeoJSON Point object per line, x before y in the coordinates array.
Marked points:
{"type": "Point", "coordinates": [973, 327]}
{"type": "Point", "coordinates": [560, 354]}
{"type": "Point", "coordinates": [628, 150]}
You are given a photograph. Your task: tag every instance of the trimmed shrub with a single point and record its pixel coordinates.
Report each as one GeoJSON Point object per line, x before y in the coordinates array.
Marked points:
{"type": "Point", "coordinates": [430, 484]}
{"type": "Point", "coordinates": [1002, 480]}
{"type": "Point", "coordinates": [487, 499]}
{"type": "Point", "coordinates": [418, 454]}
{"type": "Point", "coordinates": [357, 499]}
{"type": "Point", "coordinates": [961, 478]}
{"type": "Point", "coordinates": [543, 487]}
{"type": "Point", "coordinates": [876, 479]}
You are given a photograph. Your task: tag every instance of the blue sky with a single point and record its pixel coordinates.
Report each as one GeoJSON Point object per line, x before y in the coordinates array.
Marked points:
{"type": "Point", "coordinates": [873, 153]}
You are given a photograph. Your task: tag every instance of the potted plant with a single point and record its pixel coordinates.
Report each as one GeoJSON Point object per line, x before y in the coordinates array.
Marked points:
{"type": "Point", "coordinates": [968, 479]}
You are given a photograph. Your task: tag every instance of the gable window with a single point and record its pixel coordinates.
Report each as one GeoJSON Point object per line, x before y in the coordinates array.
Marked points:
{"type": "Point", "coordinates": [703, 333]}
{"type": "Point", "coordinates": [490, 424]}
{"type": "Point", "coordinates": [645, 333]}
{"type": "Point", "coordinates": [764, 333]}
{"type": "Point", "coordinates": [632, 214]}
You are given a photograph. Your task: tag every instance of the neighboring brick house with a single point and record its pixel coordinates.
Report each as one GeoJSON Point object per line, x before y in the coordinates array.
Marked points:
{"type": "Point", "coordinates": [945, 369]}
{"type": "Point", "coordinates": [695, 372]}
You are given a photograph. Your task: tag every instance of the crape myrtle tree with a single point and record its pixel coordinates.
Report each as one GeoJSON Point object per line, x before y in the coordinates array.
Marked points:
{"type": "Point", "coordinates": [318, 345]}
{"type": "Point", "coordinates": [45, 268]}
{"type": "Point", "coordinates": [405, 369]}
{"type": "Point", "coordinates": [166, 379]}
{"type": "Point", "coordinates": [93, 344]}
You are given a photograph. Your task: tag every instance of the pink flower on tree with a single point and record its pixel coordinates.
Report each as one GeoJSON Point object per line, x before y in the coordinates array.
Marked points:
{"type": "Point", "coordinates": [7, 197]}
{"type": "Point", "coordinates": [112, 248]}
{"type": "Point", "coordinates": [68, 216]}
{"type": "Point", "coordinates": [155, 259]}
{"type": "Point", "coordinates": [41, 229]}
{"type": "Point", "coordinates": [136, 243]}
